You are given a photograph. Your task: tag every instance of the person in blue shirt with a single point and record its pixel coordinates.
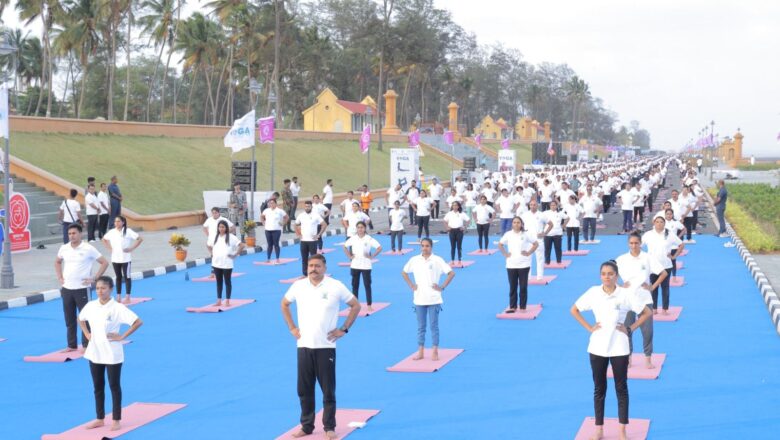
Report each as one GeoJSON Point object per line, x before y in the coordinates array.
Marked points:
{"type": "Point", "coordinates": [720, 207]}
{"type": "Point", "coordinates": [116, 200]}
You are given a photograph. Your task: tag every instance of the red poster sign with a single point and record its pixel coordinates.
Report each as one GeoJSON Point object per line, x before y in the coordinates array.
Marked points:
{"type": "Point", "coordinates": [19, 219]}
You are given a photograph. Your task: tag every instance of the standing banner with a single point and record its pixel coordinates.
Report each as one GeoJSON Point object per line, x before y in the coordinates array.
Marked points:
{"type": "Point", "coordinates": [365, 139]}
{"type": "Point", "coordinates": [404, 165]}
{"type": "Point", "coordinates": [449, 137]}
{"type": "Point", "coordinates": [18, 223]}
{"type": "Point", "coordinates": [506, 162]}
{"type": "Point", "coordinates": [414, 139]}
{"type": "Point", "coordinates": [505, 143]}
{"type": "Point", "coordinates": [582, 155]}
{"type": "Point", "coordinates": [265, 130]}
{"type": "Point", "coordinates": [242, 134]}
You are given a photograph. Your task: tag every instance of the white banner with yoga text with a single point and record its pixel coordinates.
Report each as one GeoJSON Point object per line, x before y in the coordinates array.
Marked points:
{"type": "Point", "coordinates": [404, 166]}
{"type": "Point", "coordinates": [506, 162]}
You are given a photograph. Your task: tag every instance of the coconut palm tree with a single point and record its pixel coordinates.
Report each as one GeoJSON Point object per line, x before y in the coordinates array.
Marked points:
{"type": "Point", "coordinates": [80, 19]}
{"type": "Point", "coordinates": [114, 10]}
{"type": "Point", "coordinates": [46, 11]}
{"type": "Point", "coordinates": [158, 24]}
{"type": "Point", "coordinates": [577, 91]}
{"type": "Point", "coordinates": [201, 40]}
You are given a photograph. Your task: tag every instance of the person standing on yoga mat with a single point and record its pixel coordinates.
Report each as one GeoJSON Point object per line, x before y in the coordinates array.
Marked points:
{"type": "Point", "coordinates": [100, 321]}
{"type": "Point", "coordinates": [609, 340]}
{"type": "Point", "coordinates": [483, 215]}
{"type": "Point", "coordinates": [121, 241]}
{"type": "Point", "coordinates": [308, 228]}
{"type": "Point", "coordinates": [455, 223]}
{"type": "Point", "coordinates": [517, 246]}
{"type": "Point", "coordinates": [534, 223]}
{"type": "Point", "coordinates": [662, 246]}
{"type": "Point", "coordinates": [636, 267]}
{"type": "Point", "coordinates": [358, 250]}
{"type": "Point", "coordinates": [553, 233]}
{"type": "Point", "coordinates": [397, 216]}
{"type": "Point", "coordinates": [224, 249]}
{"type": "Point", "coordinates": [273, 219]}
{"type": "Point", "coordinates": [318, 300]}
{"type": "Point", "coordinates": [427, 269]}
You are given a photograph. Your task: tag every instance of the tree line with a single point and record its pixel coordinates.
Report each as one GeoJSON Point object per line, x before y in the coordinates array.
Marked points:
{"type": "Point", "coordinates": [145, 61]}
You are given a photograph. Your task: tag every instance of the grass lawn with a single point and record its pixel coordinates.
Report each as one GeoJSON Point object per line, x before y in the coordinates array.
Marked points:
{"type": "Point", "coordinates": [754, 212]}
{"type": "Point", "coordinates": [523, 155]}
{"type": "Point", "coordinates": [159, 175]}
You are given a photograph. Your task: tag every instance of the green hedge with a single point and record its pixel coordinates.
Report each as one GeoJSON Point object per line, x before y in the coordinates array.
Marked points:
{"type": "Point", "coordinates": [754, 212]}
{"type": "Point", "coordinates": [767, 166]}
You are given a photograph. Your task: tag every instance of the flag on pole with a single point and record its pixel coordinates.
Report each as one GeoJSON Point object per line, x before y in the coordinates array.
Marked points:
{"type": "Point", "coordinates": [265, 129]}
{"type": "Point", "coordinates": [505, 143]}
{"type": "Point", "coordinates": [550, 149]}
{"type": "Point", "coordinates": [778, 136]}
{"type": "Point", "coordinates": [242, 134]}
{"type": "Point", "coordinates": [365, 139]}
{"type": "Point", "coordinates": [4, 112]}
{"type": "Point", "coordinates": [478, 140]}
{"type": "Point", "coordinates": [414, 139]}
{"type": "Point", "coordinates": [449, 137]}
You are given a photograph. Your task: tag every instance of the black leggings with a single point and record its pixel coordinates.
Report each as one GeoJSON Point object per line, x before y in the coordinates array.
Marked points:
{"type": "Point", "coordinates": [606, 200]}
{"type": "Point", "coordinates": [518, 278]}
{"type": "Point", "coordinates": [639, 214]}
{"type": "Point", "coordinates": [399, 235]}
{"type": "Point", "coordinates": [483, 231]}
{"type": "Point", "coordinates": [272, 238]}
{"type": "Point", "coordinates": [688, 223]}
{"type": "Point", "coordinates": [673, 272]}
{"type": "Point", "coordinates": [598, 366]}
{"type": "Point", "coordinates": [576, 233]}
{"type": "Point", "coordinates": [664, 286]}
{"type": "Point", "coordinates": [422, 223]}
{"type": "Point", "coordinates": [99, 383]}
{"type": "Point", "coordinates": [223, 274]}
{"type": "Point", "coordinates": [549, 241]}
{"type": "Point", "coordinates": [456, 242]}
{"type": "Point", "coordinates": [319, 240]}
{"type": "Point", "coordinates": [366, 282]}
{"type": "Point", "coordinates": [122, 271]}
{"type": "Point", "coordinates": [435, 209]}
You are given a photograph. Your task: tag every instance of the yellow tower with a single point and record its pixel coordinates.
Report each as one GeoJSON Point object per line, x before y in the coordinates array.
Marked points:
{"type": "Point", "coordinates": [390, 127]}
{"type": "Point", "coordinates": [453, 122]}
{"type": "Point", "coordinates": [547, 135]}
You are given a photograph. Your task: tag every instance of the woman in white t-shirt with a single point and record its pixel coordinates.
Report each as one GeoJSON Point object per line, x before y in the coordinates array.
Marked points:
{"type": "Point", "coordinates": [483, 214]}
{"type": "Point", "coordinates": [352, 218]}
{"type": "Point", "coordinates": [675, 228]}
{"type": "Point", "coordinates": [452, 198]}
{"type": "Point", "coordinates": [517, 247]}
{"type": "Point", "coordinates": [397, 216]}
{"type": "Point", "coordinates": [553, 236]}
{"type": "Point", "coordinates": [661, 245]}
{"type": "Point", "coordinates": [627, 207]}
{"type": "Point", "coordinates": [470, 202]}
{"type": "Point", "coordinates": [121, 242]}
{"type": "Point", "coordinates": [224, 249]}
{"type": "Point", "coordinates": [455, 224]}
{"type": "Point", "coordinates": [100, 321]}
{"type": "Point", "coordinates": [422, 212]}
{"type": "Point", "coordinates": [361, 248]}
{"type": "Point", "coordinates": [609, 339]}
{"type": "Point", "coordinates": [273, 219]}
{"type": "Point", "coordinates": [573, 211]}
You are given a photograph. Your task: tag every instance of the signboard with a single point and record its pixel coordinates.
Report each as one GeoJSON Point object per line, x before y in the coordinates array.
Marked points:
{"type": "Point", "coordinates": [506, 161]}
{"type": "Point", "coordinates": [404, 165]}
{"type": "Point", "coordinates": [241, 173]}
{"type": "Point", "coordinates": [19, 223]}
{"type": "Point", "coordinates": [220, 199]}
{"type": "Point", "coordinates": [582, 155]}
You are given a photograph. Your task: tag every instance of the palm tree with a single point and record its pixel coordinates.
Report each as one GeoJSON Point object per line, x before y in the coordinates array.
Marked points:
{"type": "Point", "coordinates": [80, 20]}
{"type": "Point", "coordinates": [114, 11]}
{"type": "Point", "coordinates": [578, 91]}
{"type": "Point", "coordinates": [201, 40]}
{"type": "Point", "coordinates": [46, 10]}
{"type": "Point", "coordinates": [158, 24]}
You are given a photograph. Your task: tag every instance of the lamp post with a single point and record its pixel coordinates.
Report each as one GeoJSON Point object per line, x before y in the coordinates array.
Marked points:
{"type": "Point", "coordinates": [368, 114]}
{"type": "Point", "coordinates": [254, 89]}
{"type": "Point", "coordinates": [7, 271]}
{"type": "Point", "coordinates": [272, 100]}
{"type": "Point", "coordinates": [712, 145]}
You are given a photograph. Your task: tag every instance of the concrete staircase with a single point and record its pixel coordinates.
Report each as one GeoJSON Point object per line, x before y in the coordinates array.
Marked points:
{"type": "Point", "coordinates": [45, 227]}
{"type": "Point", "coordinates": [459, 150]}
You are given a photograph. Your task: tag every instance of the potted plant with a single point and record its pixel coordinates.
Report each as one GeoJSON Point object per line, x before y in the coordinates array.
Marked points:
{"type": "Point", "coordinates": [179, 243]}
{"type": "Point", "coordinates": [248, 230]}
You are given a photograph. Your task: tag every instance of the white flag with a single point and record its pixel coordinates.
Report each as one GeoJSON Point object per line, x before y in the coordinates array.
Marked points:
{"type": "Point", "coordinates": [242, 135]}
{"type": "Point", "coordinates": [3, 112]}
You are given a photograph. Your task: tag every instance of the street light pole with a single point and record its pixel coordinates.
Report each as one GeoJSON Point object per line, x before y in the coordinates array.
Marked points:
{"type": "Point", "coordinates": [7, 271]}
{"type": "Point", "coordinates": [368, 114]}
{"type": "Point", "coordinates": [254, 89]}
{"type": "Point", "coordinates": [272, 100]}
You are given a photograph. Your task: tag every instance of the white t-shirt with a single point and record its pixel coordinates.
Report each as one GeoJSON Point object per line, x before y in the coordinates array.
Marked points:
{"type": "Point", "coordinates": [483, 213]}
{"type": "Point", "coordinates": [327, 194]}
{"type": "Point", "coordinates": [295, 189]}
{"type": "Point", "coordinates": [489, 193]}
{"type": "Point", "coordinates": [564, 194]}
{"type": "Point", "coordinates": [103, 200]}
{"type": "Point", "coordinates": [220, 251]}
{"type": "Point", "coordinates": [556, 217]}
{"type": "Point", "coordinates": [609, 311]}
{"type": "Point", "coordinates": [318, 309]}
{"type": "Point", "coordinates": [456, 220]}
{"type": "Point", "coordinates": [546, 192]}
{"type": "Point", "coordinates": [435, 191]}
{"type": "Point", "coordinates": [274, 218]}
{"type": "Point", "coordinates": [452, 199]}
{"type": "Point", "coordinates": [506, 205]}
{"type": "Point", "coordinates": [352, 218]}
{"type": "Point", "coordinates": [104, 319]}
{"type": "Point", "coordinates": [460, 186]}
{"type": "Point", "coordinates": [516, 244]}
{"type": "Point", "coordinates": [412, 193]}
{"type": "Point", "coordinates": [119, 243]}
{"type": "Point", "coordinates": [308, 223]}
{"type": "Point", "coordinates": [423, 206]}
{"type": "Point", "coordinates": [636, 271]}
{"type": "Point", "coordinates": [470, 197]}
{"type": "Point", "coordinates": [70, 209]}
{"type": "Point", "coordinates": [346, 204]}
{"type": "Point", "coordinates": [638, 196]}
{"type": "Point", "coordinates": [397, 217]}
{"type": "Point", "coordinates": [319, 209]}
{"type": "Point", "coordinates": [534, 223]}
{"type": "Point", "coordinates": [626, 200]}
{"type": "Point", "coordinates": [427, 272]}
{"type": "Point", "coordinates": [660, 245]}
{"type": "Point", "coordinates": [392, 196]}
{"type": "Point", "coordinates": [211, 224]}
{"type": "Point", "coordinates": [573, 213]}
{"type": "Point", "coordinates": [77, 264]}
{"type": "Point", "coordinates": [589, 206]}
{"type": "Point", "coordinates": [361, 250]}
{"type": "Point", "coordinates": [89, 200]}
{"type": "Point", "coordinates": [674, 227]}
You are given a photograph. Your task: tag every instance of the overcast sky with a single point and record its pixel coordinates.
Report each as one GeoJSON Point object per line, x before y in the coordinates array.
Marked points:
{"type": "Point", "coordinates": [673, 65]}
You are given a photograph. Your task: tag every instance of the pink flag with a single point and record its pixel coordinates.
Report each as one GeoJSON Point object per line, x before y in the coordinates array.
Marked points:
{"type": "Point", "coordinates": [265, 130]}
{"type": "Point", "coordinates": [550, 149]}
{"type": "Point", "coordinates": [505, 143]}
{"type": "Point", "coordinates": [778, 136]}
{"type": "Point", "coordinates": [414, 139]}
{"type": "Point", "coordinates": [478, 140]}
{"type": "Point", "coordinates": [449, 137]}
{"type": "Point", "coordinates": [365, 139]}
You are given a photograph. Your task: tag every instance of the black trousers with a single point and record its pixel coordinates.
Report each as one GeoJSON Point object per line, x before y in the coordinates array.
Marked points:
{"type": "Point", "coordinates": [356, 273]}
{"type": "Point", "coordinates": [397, 235]}
{"type": "Point", "coordinates": [422, 223]}
{"type": "Point", "coordinates": [317, 365]}
{"type": "Point", "coordinates": [673, 272]}
{"type": "Point", "coordinates": [223, 275]}
{"type": "Point", "coordinates": [435, 209]}
{"type": "Point", "coordinates": [688, 223]}
{"type": "Point", "coordinates": [483, 232]}
{"type": "Point", "coordinates": [695, 219]}
{"type": "Point", "coordinates": [412, 216]}
{"type": "Point", "coordinates": [99, 383]}
{"type": "Point", "coordinates": [103, 222]}
{"type": "Point", "coordinates": [319, 240]}
{"type": "Point", "coordinates": [456, 242]}
{"type": "Point", "coordinates": [518, 278]}
{"type": "Point", "coordinates": [639, 214]}
{"type": "Point", "coordinates": [330, 207]}
{"type": "Point", "coordinates": [545, 206]}
{"type": "Point", "coordinates": [576, 233]}
{"type": "Point", "coordinates": [308, 248]}
{"type": "Point", "coordinates": [92, 226]}
{"type": "Point", "coordinates": [606, 200]}
{"type": "Point", "coordinates": [549, 241]}
{"type": "Point", "coordinates": [272, 241]}
{"type": "Point", "coordinates": [122, 272]}
{"type": "Point", "coordinates": [598, 366]}
{"type": "Point", "coordinates": [72, 303]}
{"type": "Point", "coordinates": [664, 289]}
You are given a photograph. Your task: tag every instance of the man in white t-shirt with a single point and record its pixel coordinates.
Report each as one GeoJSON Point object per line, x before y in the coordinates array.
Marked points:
{"type": "Point", "coordinates": [435, 190]}
{"type": "Point", "coordinates": [73, 266]}
{"type": "Point", "coordinates": [93, 210]}
{"type": "Point", "coordinates": [318, 300]}
{"type": "Point", "coordinates": [320, 209]}
{"type": "Point", "coordinates": [104, 203]}
{"type": "Point", "coordinates": [534, 224]}
{"type": "Point", "coordinates": [346, 204]}
{"type": "Point", "coordinates": [70, 213]}
{"type": "Point", "coordinates": [506, 204]}
{"type": "Point", "coordinates": [295, 188]}
{"type": "Point", "coordinates": [327, 198]}
{"type": "Point", "coordinates": [308, 228]}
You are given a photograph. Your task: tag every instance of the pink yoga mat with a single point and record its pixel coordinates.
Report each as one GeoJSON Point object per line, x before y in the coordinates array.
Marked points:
{"type": "Point", "coordinates": [401, 252]}
{"type": "Point", "coordinates": [673, 315]}
{"type": "Point", "coordinates": [600, 226]}
{"type": "Point", "coordinates": [426, 365]}
{"type": "Point", "coordinates": [547, 279]}
{"type": "Point", "coordinates": [2, 339]}
{"type": "Point", "coordinates": [483, 252]}
{"type": "Point", "coordinates": [134, 416]}
{"type": "Point", "coordinates": [555, 265]}
{"type": "Point", "coordinates": [344, 417]}
{"type": "Point", "coordinates": [590, 242]}
{"type": "Point", "coordinates": [62, 356]}
{"type": "Point", "coordinates": [677, 281]}
{"type": "Point", "coordinates": [637, 370]}
{"type": "Point", "coordinates": [579, 253]}
{"type": "Point", "coordinates": [683, 253]}
{"type": "Point", "coordinates": [210, 279]}
{"type": "Point", "coordinates": [347, 263]}
{"type": "Point", "coordinates": [461, 264]}
{"type": "Point", "coordinates": [223, 308]}
{"type": "Point", "coordinates": [680, 265]}
{"type": "Point", "coordinates": [275, 263]}
{"type": "Point", "coordinates": [636, 430]}
{"type": "Point", "coordinates": [417, 243]}
{"type": "Point", "coordinates": [325, 250]}
{"type": "Point", "coordinates": [531, 312]}
{"type": "Point", "coordinates": [364, 309]}
{"type": "Point", "coordinates": [137, 300]}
